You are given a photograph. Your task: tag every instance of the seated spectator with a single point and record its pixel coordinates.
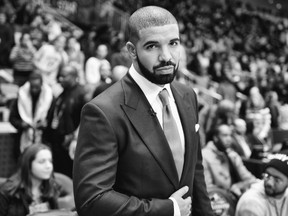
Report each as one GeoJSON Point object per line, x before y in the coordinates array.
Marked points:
{"type": "Point", "coordinates": [240, 142]}
{"type": "Point", "coordinates": [29, 111]}
{"type": "Point", "coordinates": [223, 167]}
{"type": "Point", "coordinates": [269, 196]}
{"type": "Point", "coordinates": [32, 189]}
{"type": "Point", "coordinates": [21, 57]}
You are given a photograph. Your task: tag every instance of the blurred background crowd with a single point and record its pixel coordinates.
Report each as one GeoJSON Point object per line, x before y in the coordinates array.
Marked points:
{"type": "Point", "coordinates": [235, 56]}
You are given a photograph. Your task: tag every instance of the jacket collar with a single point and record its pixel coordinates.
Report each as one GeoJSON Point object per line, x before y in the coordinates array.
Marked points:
{"type": "Point", "coordinates": [138, 110]}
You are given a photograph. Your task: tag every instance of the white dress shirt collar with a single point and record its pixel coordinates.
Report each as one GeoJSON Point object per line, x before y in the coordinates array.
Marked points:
{"type": "Point", "coordinates": [150, 89]}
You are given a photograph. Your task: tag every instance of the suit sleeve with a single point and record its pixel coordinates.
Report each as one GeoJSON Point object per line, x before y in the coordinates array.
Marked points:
{"type": "Point", "coordinates": [4, 203]}
{"type": "Point", "coordinates": [95, 172]}
{"type": "Point", "coordinates": [201, 202]}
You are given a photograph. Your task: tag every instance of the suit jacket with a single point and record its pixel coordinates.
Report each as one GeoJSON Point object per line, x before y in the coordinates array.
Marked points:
{"type": "Point", "coordinates": [123, 164]}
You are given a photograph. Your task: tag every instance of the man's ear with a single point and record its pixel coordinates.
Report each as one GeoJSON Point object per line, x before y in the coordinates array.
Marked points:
{"type": "Point", "coordinates": [131, 49]}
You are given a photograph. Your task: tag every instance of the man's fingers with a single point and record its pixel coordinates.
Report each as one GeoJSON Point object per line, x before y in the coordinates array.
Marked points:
{"type": "Point", "coordinates": [182, 191]}
{"type": "Point", "coordinates": [188, 200]}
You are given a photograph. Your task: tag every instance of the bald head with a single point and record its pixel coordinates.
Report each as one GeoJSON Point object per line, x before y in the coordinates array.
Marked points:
{"type": "Point", "coordinates": [146, 17]}
{"type": "Point", "coordinates": [70, 69]}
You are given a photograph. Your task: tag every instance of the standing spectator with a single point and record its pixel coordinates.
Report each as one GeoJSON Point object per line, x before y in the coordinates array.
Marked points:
{"type": "Point", "coordinates": [258, 133]}
{"type": "Point", "coordinates": [32, 189]}
{"type": "Point", "coordinates": [28, 113]}
{"type": "Point", "coordinates": [51, 27]}
{"type": "Point", "coordinates": [6, 41]}
{"type": "Point", "coordinates": [223, 167]}
{"type": "Point", "coordinates": [38, 36]}
{"type": "Point", "coordinates": [25, 14]}
{"type": "Point", "coordinates": [254, 103]}
{"type": "Point", "coordinates": [270, 196]}
{"type": "Point", "coordinates": [21, 57]}
{"type": "Point", "coordinates": [49, 59]}
{"type": "Point", "coordinates": [273, 104]}
{"type": "Point", "coordinates": [63, 119]}
{"type": "Point", "coordinates": [227, 88]}
{"type": "Point", "coordinates": [106, 78]}
{"type": "Point", "coordinates": [211, 116]}
{"type": "Point", "coordinates": [76, 57]}
{"type": "Point", "coordinates": [92, 67]}
{"type": "Point", "coordinates": [127, 161]}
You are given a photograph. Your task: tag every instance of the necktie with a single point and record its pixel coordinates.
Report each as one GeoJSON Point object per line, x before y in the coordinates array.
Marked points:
{"type": "Point", "coordinates": [171, 132]}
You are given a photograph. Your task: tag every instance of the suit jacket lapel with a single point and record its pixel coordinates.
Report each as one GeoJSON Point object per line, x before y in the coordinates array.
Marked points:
{"type": "Point", "coordinates": [138, 110]}
{"type": "Point", "coordinates": [185, 110]}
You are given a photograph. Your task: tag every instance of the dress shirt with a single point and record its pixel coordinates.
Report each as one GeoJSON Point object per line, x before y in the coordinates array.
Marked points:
{"type": "Point", "coordinates": [151, 92]}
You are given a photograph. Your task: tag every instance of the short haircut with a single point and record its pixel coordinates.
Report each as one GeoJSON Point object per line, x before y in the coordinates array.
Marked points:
{"type": "Point", "coordinates": [218, 129]}
{"type": "Point", "coordinates": [146, 17]}
{"type": "Point", "coordinates": [71, 68]}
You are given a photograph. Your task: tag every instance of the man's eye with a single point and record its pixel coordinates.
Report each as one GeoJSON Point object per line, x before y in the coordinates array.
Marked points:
{"type": "Point", "coordinates": [174, 43]}
{"type": "Point", "coordinates": [152, 46]}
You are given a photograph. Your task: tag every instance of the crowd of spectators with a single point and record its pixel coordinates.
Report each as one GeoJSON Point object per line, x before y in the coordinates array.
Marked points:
{"type": "Point", "coordinates": [235, 59]}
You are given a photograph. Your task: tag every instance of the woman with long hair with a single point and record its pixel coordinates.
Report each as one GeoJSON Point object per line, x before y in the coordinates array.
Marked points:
{"type": "Point", "coordinates": [32, 188]}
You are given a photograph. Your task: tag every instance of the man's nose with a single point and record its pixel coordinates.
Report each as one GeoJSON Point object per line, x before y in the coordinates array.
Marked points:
{"type": "Point", "coordinates": [165, 54]}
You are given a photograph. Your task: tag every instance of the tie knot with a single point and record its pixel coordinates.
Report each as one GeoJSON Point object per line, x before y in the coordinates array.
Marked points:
{"type": "Point", "coordinates": [164, 97]}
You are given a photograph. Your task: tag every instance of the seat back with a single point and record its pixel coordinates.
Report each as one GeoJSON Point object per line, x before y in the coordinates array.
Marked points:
{"type": "Point", "coordinates": [66, 201]}
{"type": "Point", "coordinates": [222, 201]}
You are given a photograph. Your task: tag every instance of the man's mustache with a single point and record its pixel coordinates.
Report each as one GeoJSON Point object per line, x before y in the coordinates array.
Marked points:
{"type": "Point", "coordinates": [163, 64]}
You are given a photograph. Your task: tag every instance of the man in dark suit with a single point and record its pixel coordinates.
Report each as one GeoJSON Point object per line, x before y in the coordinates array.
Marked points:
{"type": "Point", "coordinates": [63, 119]}
{"type": "Point", "coordinates": [125, 161]}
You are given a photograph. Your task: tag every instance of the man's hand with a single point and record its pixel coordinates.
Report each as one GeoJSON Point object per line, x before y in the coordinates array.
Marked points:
{"type": "Point", "coordinates": [184, 204]}
{"type": "Point", "coordinates": [236, 190]}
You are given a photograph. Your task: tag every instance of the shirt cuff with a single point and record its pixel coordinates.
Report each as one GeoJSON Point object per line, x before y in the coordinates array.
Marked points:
{"type": "Point", "coordinates": [176, 207]}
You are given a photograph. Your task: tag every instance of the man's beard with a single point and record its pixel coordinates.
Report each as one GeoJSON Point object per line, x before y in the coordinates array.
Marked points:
{"type": "Point", "coordinates": [271, 192]}
{"type": "Point", "coordinates": [155, 78]}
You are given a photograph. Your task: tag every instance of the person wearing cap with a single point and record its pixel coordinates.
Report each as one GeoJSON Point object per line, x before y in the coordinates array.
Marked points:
{"type": "Point", "coordinates": [268, 197]}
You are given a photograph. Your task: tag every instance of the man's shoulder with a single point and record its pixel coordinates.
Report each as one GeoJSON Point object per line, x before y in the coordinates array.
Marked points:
{"type": "Point", "coordinates": [112, 94]}
{"type": "Point", "coordinates": [252, 201]}
{"type": "Point", "coordinates": [208, 152]}
{"type": "Point", "coordinates": [182, 86]}
{"type": "Point", "coordinates": [255, 193]}
{"type": "Point", "coordinates": [184, 89]}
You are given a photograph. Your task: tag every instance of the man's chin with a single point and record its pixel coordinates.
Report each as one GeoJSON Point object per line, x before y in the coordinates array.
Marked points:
{"type": "Point", "coordinates": [164, 79]}
{"type": "Point", "coordinates": [269, 191]}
